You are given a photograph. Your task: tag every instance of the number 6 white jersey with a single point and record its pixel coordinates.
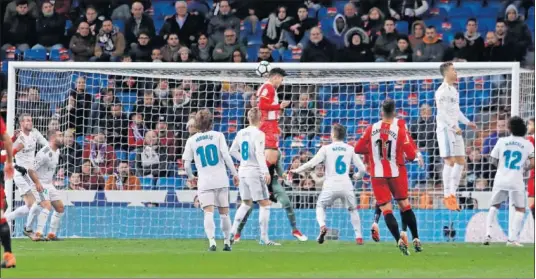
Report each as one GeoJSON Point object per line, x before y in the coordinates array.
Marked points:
{"type": "Point", "coordinates": [210, 153]}
{"type": "Point", "coordinates": [248, 148]}
{"type": "Point", "coordinates": [512, 153]}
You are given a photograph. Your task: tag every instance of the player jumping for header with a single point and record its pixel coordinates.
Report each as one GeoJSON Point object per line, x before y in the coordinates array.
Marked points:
{"type": "Point", "coordinates": [270, 108]}
{"type": "Point", "coordinates": [389, 147]}
{"type": "Point", "coordinates": [449, 134]}
{"type": "Point", "coordinates": [509, 155]}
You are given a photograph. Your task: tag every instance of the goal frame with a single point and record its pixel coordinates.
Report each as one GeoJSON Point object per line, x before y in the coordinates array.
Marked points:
{"type": "Point", "coordinates": [96, 66]}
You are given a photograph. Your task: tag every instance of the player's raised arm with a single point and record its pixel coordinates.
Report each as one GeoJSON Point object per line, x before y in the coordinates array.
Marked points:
{"type": "Point", "coordinates": [317, 159]}
{"type": "Point", "coordinates": [362, 144]}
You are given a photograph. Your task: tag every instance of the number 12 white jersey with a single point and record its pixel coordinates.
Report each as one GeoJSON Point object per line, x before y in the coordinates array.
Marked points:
{"type": "Point", "coordinates": [248, 148]}
{"type": "Point", "coordinates": [512, 153]}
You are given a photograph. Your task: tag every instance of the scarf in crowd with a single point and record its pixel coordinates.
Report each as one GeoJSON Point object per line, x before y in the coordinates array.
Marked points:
{"type": "Point", "coordinates": [149, 156]}
{"type": "Point", "coordinates": [137, 131]}
{"type": "Point", "coordinates": [105, 40]}
{"type": "Point", "coordinates": [97, 154]}
{"type": "Point", "coordinates": [273, 23]}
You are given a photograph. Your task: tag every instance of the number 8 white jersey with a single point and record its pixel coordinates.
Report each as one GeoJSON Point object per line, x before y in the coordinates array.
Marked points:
{"type": "Point", "coordinates": [210, 153]}
{"type": "Point", "coordinates": [248, 148]}
{"type": "Point", "coordinates": [512, 153]}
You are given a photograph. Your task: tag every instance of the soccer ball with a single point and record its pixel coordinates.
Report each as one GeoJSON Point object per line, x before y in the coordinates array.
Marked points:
{"type": "Point", "coordinates": [263, 68]}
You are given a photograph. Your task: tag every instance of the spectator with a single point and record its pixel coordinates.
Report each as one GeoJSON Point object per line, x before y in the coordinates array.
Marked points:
{"type": "Point", "coordinates": [170, 52]}
{"type": "Point", "coordinates": [339, 31]}
{"type": "Point", "coordinates": [149, 108]}
{"type": "Point", "coordinates": [68, 114]}
{"type": "Point", "coordinates": [110, 44]}
{"type": "Point", "coordinates": [100, 109]}
{"type": "Point", "coordinates": [273, 33]}
{"type": "Point", "coordinates": [82, 44]}
{"type": "Point", "coordinates": [478, 167]}
{"type": "Point", "coordinates": [417, 33]}
{"type": "Point", "coordinates": [59, 179]}
{"type": "Point", "coordinates": [351, 17]}
{"type": "Point", "coordinates": [115, 125]}
{"type": "Point", "coordinates": [53, 124]}
{"type": "Point", "coordinates": [386, 42]}
{"type": "Point", "coordinates": [459, 51]}
{"type": "Point", "coordinates": [365, 6]}
{"type": "Point", "coordinates": [202, 51]}
{"type": "Point", "coordinates": [424, 132]}
{"type": "Point", "coordinates": [264, 54]}
{"type": "Point", "coordinates": [185, 55]}
{"type": "Point", "coordinates": [200, 7]}
{"type": "Point", "coordinates": [494, 51]}
{"type": "Point", "coordinates": [101, 154]}
{"type": "Point", "coordinates": [318, 48]}
{"type": "Point", "coordinates": [19, 30]}
{"type": "Point", "coordinates": [306, 200]}
{"type": "Point", "coordinates": [89, 180]}
{"type": "Point", "coordinates": [238, 56]}
{"type": "Point", "coordinates": [30, 7]}
{"type": "Point", "coordinates": [91, 17]}
{"type": "Point", "coordinates": [136, 131]}
{"type": "Point", "coordinates": [223, 52]}
{"type": "Point", "coordinates": [296, 30]}
{"type": "Point", "coordinates": [50, 28]}
{"type": "Point", "coordinates": [184, 24]}
{"type": "Point", "coordinates": [123, 180]}
{"type": "Point", "coordinates": [475, 42]}
{"type": "Point", "coordinates": [374, 24]}
{"type": "Point", "coordinates": [356, 48]}
{"type": "Point", "coordinates": [138, 23]}
{"type": "Point", "coordinates": [303, 118]}
{"type": "Point", "coordinates": [120, 10]}
{"type": "Point", "coordinates": [151, 160]}
{"type": "Point", "coordinates": [431, 49]}
{"type": "Point", "coordinates": [294, 179]}
{"type": "Point", "coordinates": [219, 24]}
{"type": "Point", "coordinates": [71, 153]}
{"type": "Point", "coordinates": [408, 10]}
{"type": "Point", "coordinates": [156, 55]}
{"type": "Point", "coordinates": [141, 51]}
{"type": "Point", "coordinates": [319, 176]}
{"type": "Point", "coordinates": [166, 139]}
{"type": "Point", "coordinates": [178, 114]}
{"type": "Point", "coordinates": [39, 110]}
{"type": "Point", "coordinates": [402, 52]}
{"type": "Point", "coordinates": [75, 182]}
{"type": "Point", "coordinates": [500, 131]}
{"type": "Point", "coordinates": [78, 103]}
{"type": "Point", "coordinates": [501, 33]}
{"type": "Point", "coordinates": [518, 32]}
{"type": "Point", "coordinates": [162, 92]}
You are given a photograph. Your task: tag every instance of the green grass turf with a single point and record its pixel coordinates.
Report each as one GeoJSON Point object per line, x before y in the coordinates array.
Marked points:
{"type": "Point", "coordinates": [189, 258]}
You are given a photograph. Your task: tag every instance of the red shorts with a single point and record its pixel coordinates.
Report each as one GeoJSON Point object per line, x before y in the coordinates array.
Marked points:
{"type": "Point", "coordinates": [383, 188]}
{"type": "Point", "coordinates": [271, 133]}
{"type": "Point", "coordinates": [530, 187]}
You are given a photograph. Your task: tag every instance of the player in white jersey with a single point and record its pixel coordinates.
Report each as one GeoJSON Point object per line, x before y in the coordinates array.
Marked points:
{"type": "Point", "coordinates": [510, 155]}
{"type": "Point", "coordinates": [449, 134]}
{"type": "Point", "coordinates": [24, 149]}
{"type": "Point", "coordinates": [46, 195]}
{"type": "Point", "coordinates": [337, 157]}
{"type": "Point", "coordinates": [248, 148]}
{"type": "Point", "coordinates": [210, 152]}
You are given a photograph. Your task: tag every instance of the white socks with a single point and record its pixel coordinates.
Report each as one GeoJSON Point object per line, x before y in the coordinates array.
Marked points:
{"type": "Point", "coordinates": [489, 220]}
{"type": "Point", "coordinates": [19, 212]}
{"type": "Point", "coordinates": [356, 223]}
{"type": "Point", "coordinates": [34, 212]}
{"type": "Point", "coordinates": [446, 177]}
{"type": "Point", "coordinates": [516, 226]}
{"type": "Point", "coordinates": [55, 222]}
{"type": "Point", "coordinates": [210, 227]}
{"type": "Point", "coordinates": [321, 216]}
{"type": "Point", "coordinates": [455, 177]}
{"type": "Point", "coordinates": [42, 220]}
{"type": "Point", "coordinates": [239, 216]}
{"type": "Point", "coordinates": [264, 219]}
{"type": "Point", "coordinates": [225, 223]}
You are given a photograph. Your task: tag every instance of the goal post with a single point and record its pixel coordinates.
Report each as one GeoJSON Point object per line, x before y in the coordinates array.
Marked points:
{"type": "Point", "coordinates": [321, 94]}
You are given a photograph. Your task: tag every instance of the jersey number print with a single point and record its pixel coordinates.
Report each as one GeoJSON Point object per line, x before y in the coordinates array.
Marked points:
{"type": "Point", "coordinates": [208, 155]}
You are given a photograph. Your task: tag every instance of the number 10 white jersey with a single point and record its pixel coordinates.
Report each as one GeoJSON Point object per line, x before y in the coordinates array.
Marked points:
{"type": "Point", "coordinates": [512, 153]}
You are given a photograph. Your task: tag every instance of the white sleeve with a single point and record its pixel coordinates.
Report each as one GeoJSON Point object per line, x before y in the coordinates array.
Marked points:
{"type": "Point", "coordinates": [462, 118]}
{"type": "Point", "coordinates": [317, 159]}
{"type": "Point", "coordinates": [235, 149]}
{"type": "Point", "coordinates": [422, 9]}
{"type": "Point", "coordinates": [224, 149]}
{"type": "Point", "coordinates": [496, 150]}
{"type": "Point", "coordinates": [41, 159]}
{"type": "Point", "coordinates": [259, 152]}
{"type": "Point", "coordinates": [187, 157]}
{"type": "Point", "coordinates": [40, 139]}
{"type": "Point", "coordinates": [358, 163]}
{"type": "Point", "coordinates": [444, 104]}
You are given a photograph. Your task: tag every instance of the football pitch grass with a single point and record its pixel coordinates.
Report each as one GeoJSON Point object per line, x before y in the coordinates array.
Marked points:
{"type": "Point", "coordinates": [190, 258]}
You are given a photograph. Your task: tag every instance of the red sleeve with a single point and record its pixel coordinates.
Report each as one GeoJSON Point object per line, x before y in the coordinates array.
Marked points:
{"type": "Point", "coordinates": [3, 129]}
{"type": "Point", "coordinates": [266, 99]}
{"type": "Point", "coordinates": [361, 146]}
{"type": "Point", "coordinates": [407, 147]}
{"type": "Point", "coordinates": [402, 125]}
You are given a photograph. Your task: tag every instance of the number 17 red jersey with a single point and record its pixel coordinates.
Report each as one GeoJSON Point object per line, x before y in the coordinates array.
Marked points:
{"type": "Point", "coordinates": [386, 144]}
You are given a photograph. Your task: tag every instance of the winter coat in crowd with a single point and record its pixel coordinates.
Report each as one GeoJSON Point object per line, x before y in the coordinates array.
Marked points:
{"type": "Point", "coordinates": [520, 33]}
{"type": "Point", "coordinates": [50, 29]}
{"type": "Point", "coordinates": [134, 27]}
{"type": "Point", "coordinates": [429, 50]}
{"type": "Point", "coordinates": [82, 47]}
{"type": "Point", "coordinates": [384, 44]}
{"type": "Point", "coordinates": [356, 53]}
{"type": "Point", "coordinates": [226, 54]}
{"type": "Point", "coordinates": [11, 10]}
{"type": "Point", "coordinates": [112, 43]}
{"type": "Point", "coordinates": [475, 43]}
{"type": "Point", "coordinates": [323, 51]}
{"type": "Point", "coordinates": [192, 26]}
{"type": "Point", "coordinates": [218, 24]}
{"type": "Point", "coordinates": [413, 39]}
{"type": "Point", "coordinates": [20, 30]}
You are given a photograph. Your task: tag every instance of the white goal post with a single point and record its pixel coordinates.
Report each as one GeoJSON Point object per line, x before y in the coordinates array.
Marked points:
{"type": "Point", "coordinates": [347, 93]}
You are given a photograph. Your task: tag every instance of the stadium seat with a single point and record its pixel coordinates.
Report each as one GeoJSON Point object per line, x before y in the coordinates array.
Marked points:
{"type": "Point", "coordinates": [340, 5]}
{"type": "Point", "coordinates": [120, 24]}
{"type": "Point", "coordinates": [35, 55]}
{"type": "Point", "coordinates": [162, 9]}
{"type": "Point", "coordinates": [252, 52]}
{"type": "Point", "coordinates": [276, 55]}
{"type": "Point", "coordinates": [447, 5]}
{"type": "Point", "coordinates": [488, 12]}
{"type": "Point", "coordinates": [402, 27]}
{"type": "Point", "coordinates": [147, 183]}
{"type": "Point", "coordinates": [322, 13]}
{"type": "Point", "coordinates": [60, 54]}
{"type": "Point", "coordinates": [169, 183]}
{"type": "Point", "coordinates": [473, 6]}
{"type": "Point", "coordinates": [326, 24]}
{"type": "Point", "coordinates": [68, 25]}
{"type": "Point", "coordinates": [121, 155]}
{"type": "Point", "coordinates": [460, 12]}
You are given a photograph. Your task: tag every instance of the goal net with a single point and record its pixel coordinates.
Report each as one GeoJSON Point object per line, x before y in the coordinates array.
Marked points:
{"type": "Point", "coordinates": [126, 124]}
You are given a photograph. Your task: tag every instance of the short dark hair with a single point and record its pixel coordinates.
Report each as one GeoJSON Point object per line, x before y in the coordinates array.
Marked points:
{"type": "Point", "coordinates": [123, 162]}
{"type": "Point", "coordinates": [388, 108]}
{"type": "Point", "coordinates": [430, 27]}
{"type": "Point", "coordinates": [21, 2]}
{"type": "Point", "coordinates": [277, 71]}
{"type": "Point", "coordinates": [339, 131]}
{"type": "Point", "coordinates": [517, 126]}
{"type": "Point", "coordinates": [471, 19]}
{"type": "Point", "coordinates": [108, 19]}
{"type": "Point", "coordinates": [444, 67]}
{"type": "Point", "coordinates": [203, 120]}
{"type": "Point", "coordinates": [391, 19]}
{"type": "Point", "coordinates": [500, 20]}
{"type": "Point", "coordinates": [263, 46]}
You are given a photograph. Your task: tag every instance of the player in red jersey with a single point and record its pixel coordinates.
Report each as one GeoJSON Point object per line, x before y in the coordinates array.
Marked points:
{"type": "Point", "coordinates": [5, 235]}
{"type": "Point", "coordinates": [388, 147]}
{"type": "Point", "coordinates": [530, 184]}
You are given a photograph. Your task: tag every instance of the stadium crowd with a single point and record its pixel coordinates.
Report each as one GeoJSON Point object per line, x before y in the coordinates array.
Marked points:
{"type": "Point", "coordinates": [121, 143]}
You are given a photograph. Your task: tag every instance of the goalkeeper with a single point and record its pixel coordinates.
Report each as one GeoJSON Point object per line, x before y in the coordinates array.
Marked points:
{"type": "Point", "coordinates": [277, 194]}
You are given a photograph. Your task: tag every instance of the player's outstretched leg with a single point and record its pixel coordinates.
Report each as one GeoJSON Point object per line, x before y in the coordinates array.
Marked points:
{"type": "Point", "coordinates": [356, 224]}
{"type": "Point", "coordinates": [375, 229]}
{"type": "Point", "coordinates": [5, 237]}
{"type": "Point", "coordinates": [409, 220]}
{"type": "Point", "coordinates": [282, 197]}
{"type": "Point", "coordinates": [492, 213]}
{"type": "Point", "coordinates": [237, 235]}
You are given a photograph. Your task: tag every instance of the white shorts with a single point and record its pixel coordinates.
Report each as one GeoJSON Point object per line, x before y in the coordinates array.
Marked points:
{"type": "Point", "coordinates": [23, 182]}
{"type": "Point", "coordinates": [499, 196]}
{"type": "Point", "coordinates": [253, 188]}
{"type": "Point", "coordinates": [327, 197]}
{"type": "Point", "coordinates": [218, 197]}
{"type": "Point", "coordinates": [49, 194]}
{"type": "Point", "coordinates": [450, 144]}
